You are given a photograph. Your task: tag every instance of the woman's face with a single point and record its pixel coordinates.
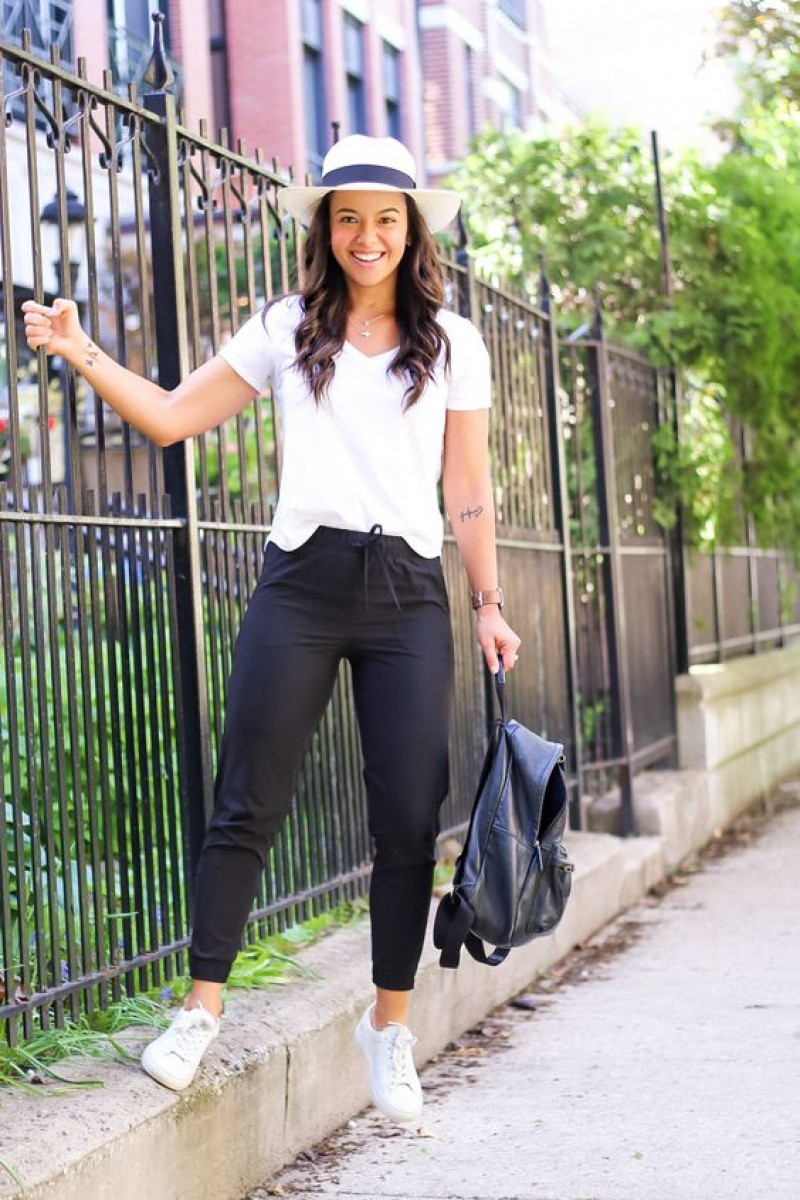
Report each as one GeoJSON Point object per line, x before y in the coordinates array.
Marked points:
{"type": "Point", "coordinates": [368, 235]}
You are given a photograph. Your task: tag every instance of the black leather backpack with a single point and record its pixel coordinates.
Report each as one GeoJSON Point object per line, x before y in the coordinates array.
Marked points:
{"type": "Point", "coordinates": [513, 876]}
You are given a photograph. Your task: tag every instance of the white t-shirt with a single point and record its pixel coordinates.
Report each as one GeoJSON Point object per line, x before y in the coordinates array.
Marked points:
{"type": "Point", "coordinates": [357, 458]}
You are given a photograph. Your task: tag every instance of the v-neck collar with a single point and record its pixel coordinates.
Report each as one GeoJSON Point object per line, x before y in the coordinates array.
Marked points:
{"type": "Point", "coordinates": [351, 346]}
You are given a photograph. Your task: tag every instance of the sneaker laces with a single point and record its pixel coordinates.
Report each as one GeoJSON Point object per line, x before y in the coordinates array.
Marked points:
{"type": "Point", "coordinates": [401, 1061]}
{"type": "Point", "coordinates": [187, 1035]}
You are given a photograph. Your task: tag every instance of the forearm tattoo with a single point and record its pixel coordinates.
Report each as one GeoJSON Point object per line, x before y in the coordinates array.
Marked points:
{"type": "Point", "coordinates": [468, 513]}
{"type": "Point", "coordinates": [91, 353]}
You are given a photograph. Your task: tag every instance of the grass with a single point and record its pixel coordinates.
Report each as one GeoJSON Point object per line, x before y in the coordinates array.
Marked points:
{"type": "Point", "coordinates": [266, 963]}
{"type": "Point", "coordinates": [31, 1065]}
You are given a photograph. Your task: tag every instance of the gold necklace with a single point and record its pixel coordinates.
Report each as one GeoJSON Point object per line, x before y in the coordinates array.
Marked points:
{"type": "Point", "coordinates": [366, 332]}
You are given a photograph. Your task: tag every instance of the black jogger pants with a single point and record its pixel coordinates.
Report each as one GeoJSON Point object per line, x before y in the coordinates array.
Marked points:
{"type": "Point", "coordinates": [370, 598]}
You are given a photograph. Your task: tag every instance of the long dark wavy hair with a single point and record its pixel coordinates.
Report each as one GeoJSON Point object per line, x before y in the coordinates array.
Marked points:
{"type": "Point", "coordinates": [420, 291]}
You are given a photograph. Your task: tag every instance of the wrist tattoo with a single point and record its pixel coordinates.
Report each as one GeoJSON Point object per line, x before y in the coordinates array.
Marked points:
{"type": "Point", "coordinates": [91, 353]}
{"type": "Point", "coordinates": [468, 513]}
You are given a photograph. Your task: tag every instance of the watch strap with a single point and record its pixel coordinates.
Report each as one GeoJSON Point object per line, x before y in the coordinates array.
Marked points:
{"type": "Point", "coordinates": [488, 596]}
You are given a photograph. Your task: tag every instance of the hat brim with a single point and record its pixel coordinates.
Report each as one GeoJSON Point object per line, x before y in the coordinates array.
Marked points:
{"type": "Point", "coordinates": [437, 206]}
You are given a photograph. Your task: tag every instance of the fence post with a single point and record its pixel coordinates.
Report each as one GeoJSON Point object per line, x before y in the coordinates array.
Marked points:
{"type": "Point", "coordinates": [467, 296]}
{"type": "Point", "coordinates": [751, 541]}
{"type": "Point", "coordinates": [677, 538]}
{"type": "Point", "coordinates": [615, 599]}
{"type": "Point", "coordinates": [719, 610]}
{"type": "Point", "coordinates": [561, 514]}
{"type": "Point", "coordinates": [179, 472]}
{"type": "Point", "coordinates": [681, 599]}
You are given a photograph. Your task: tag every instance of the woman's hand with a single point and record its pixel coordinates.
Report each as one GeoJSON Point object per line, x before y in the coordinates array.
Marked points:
{"type": "Point", "coordinates": [496, 637]}
{"type": "Point", "coordinates": [57, 329]}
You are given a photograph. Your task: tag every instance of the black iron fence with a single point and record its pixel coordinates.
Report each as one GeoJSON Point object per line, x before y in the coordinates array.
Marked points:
{"type": "Point", "coordinates": [124, 570]}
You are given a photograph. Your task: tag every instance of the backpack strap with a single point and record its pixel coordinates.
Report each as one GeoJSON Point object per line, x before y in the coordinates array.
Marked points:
{"type": "Point", "coordinates": [474, 945]}
{"type": "Point", "coordinates": [454, 918]}
{"type": "Point", "coordinates": [500, 687]}
{"type": "Point", "coordinates": [452, 927]}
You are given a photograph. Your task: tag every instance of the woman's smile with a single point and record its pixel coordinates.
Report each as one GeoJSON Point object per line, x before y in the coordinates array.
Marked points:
{"type": "Point", "coordinates": [367, 258]}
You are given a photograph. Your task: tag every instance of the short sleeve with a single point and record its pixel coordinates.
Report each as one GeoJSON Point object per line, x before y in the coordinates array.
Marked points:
{"type": "Point", "coordinates": [471, 368]}
{"type": "Point", "coordinates": [253, 352]}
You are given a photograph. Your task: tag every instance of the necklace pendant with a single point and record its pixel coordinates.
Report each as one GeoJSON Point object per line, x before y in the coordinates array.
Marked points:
{"type": "Point", "coordinates": [365, 333]}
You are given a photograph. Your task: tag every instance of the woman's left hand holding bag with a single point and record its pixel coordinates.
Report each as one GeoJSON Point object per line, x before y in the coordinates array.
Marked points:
{"type": "Point", "coordinates": [496, 637]}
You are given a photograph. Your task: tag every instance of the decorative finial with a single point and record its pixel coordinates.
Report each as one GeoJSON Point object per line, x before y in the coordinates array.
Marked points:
{"type": "Point", "coordinates": [159, 74]}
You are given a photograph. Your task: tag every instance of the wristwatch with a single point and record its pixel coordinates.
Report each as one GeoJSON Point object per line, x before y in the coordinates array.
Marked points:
{"type": "Point", "coordinates": [492, 596]}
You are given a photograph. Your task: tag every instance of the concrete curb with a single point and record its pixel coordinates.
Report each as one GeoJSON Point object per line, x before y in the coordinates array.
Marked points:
{"type": "Point", "coordinates": [284, 1073]}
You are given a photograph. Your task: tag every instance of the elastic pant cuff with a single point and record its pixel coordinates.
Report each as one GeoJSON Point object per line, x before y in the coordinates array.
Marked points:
{"type": "Point", "coordinates": [393, 982]}
{"type": "Point", "coordinates": [209, 970]}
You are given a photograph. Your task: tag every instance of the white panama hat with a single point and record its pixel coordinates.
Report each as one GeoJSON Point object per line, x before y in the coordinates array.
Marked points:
{"type": "Point", "coordinates": [370, 164]}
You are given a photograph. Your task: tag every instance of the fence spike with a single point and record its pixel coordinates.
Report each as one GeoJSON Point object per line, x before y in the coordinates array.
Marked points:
{"type": "Point", "coordinates": [159, 74]}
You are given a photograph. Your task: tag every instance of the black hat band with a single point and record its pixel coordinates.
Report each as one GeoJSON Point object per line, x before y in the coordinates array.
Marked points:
{"type": "Point", "coordinates": [367, 173]}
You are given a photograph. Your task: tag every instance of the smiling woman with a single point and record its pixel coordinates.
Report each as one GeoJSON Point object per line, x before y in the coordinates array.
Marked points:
{"type": "Point", "coordinates": [381, 391]}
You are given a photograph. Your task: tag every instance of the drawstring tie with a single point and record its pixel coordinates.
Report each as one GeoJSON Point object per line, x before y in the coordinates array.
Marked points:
{"type": "Point", "coordinates": [374, 539]}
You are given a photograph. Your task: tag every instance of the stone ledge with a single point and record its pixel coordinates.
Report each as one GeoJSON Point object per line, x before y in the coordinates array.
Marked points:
{"type": "Point", "coordinates": [284, 1073]}
{"type": "Point", "coordinates": [711, 681]}
{"type": "Point", "coordinates": [739, 710]}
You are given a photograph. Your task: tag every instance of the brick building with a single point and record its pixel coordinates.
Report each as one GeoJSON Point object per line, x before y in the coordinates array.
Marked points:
{"type": "Point", "coordinates": [285, 69]}
{"type": "Point", "coordinates": [428, 72]}
{"type": "Point", "coordinates": [277, 73]}
{"type": "Point", "coordinates": [484, 63]}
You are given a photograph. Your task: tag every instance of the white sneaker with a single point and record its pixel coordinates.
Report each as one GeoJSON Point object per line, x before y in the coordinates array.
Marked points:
{"type": "Point", "coordinates": [174, 1056]}
{"type": "Point", "coordinates": [394, 1085]}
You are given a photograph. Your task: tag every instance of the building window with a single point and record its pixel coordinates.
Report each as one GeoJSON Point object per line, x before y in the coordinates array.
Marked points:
{"type": "Point", "coordinates": [512, 114]}
{"type": "Point", "coordinates": [314, 86]}
{"type": "Point", "coordinates": [515, 10]}
{"type": "Point", "coordinates": [218, 48]}
{"type": "Point", "coordinates": [50, 24]}
{"type": "Point", "coordinates": [354, 67]}
{"type": "Point", "coordinates": [391, 90]}
{"type": "Point", "coordinates": [469, 84]}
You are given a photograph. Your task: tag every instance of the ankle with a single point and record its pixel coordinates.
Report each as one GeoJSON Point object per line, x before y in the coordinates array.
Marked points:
{"type": "Point", "coordinates": [214, 1007]}
{"type": "Point", "coordinates": [380, 1018]}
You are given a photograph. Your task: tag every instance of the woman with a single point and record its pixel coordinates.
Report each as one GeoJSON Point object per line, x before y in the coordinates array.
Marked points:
{"type": "Point", "coordinates": [380, 390]}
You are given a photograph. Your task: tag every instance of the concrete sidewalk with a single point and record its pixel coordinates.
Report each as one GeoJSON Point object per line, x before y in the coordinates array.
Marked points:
{"type": "Point", "coordinates": [671, 1071]}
